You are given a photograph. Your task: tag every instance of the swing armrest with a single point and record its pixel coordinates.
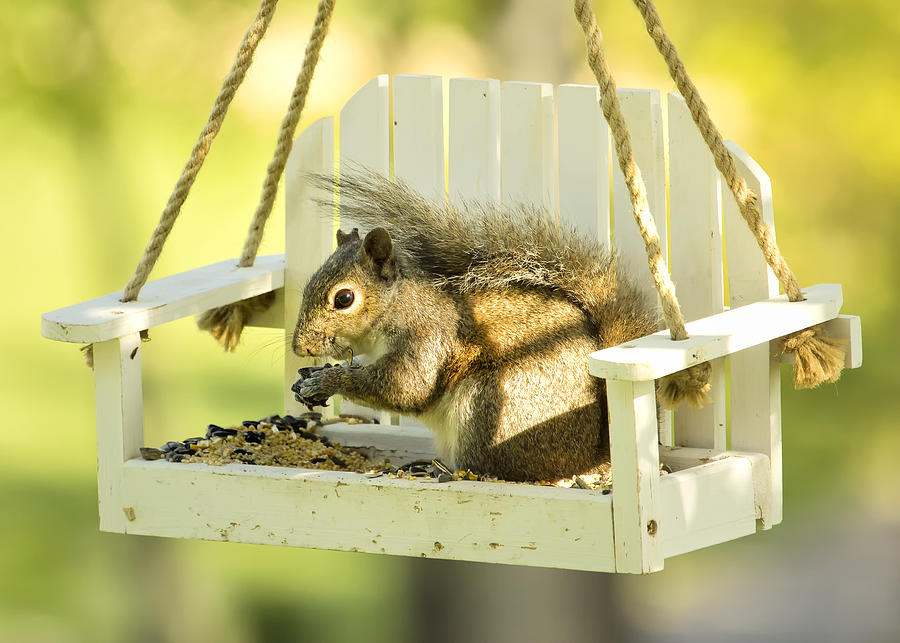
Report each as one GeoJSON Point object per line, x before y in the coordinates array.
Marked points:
{"type": "Point", "coordinates": [164, 300]}
{"type": "Point", "coordinates": [655, 356]}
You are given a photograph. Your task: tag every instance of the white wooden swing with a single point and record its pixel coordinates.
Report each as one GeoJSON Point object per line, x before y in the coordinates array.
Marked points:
{"type": "Point", "coordinates": [513, 142]}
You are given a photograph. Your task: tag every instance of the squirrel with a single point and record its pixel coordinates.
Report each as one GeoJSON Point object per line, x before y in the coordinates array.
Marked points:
{"type": "Point", "coordinates": [477, 320]}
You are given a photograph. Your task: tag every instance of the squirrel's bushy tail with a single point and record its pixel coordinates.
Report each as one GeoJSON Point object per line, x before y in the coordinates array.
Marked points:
{"type": "Point", "coordinates": [483, 246]}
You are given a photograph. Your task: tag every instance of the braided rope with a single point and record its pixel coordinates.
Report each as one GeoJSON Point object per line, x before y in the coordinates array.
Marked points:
{"type": "Point", "coordinates": [230, 85]}
{"type": "Point", "coordinates": [636, 188]}
{"type": "Point", "coordinates": [286, 133]}
{"type": "Point", "coordinates": [747, 200]}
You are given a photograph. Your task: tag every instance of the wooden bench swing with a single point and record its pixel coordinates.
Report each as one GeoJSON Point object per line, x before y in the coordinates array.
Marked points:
{"type": "Point", "coordinates": [514, 142]}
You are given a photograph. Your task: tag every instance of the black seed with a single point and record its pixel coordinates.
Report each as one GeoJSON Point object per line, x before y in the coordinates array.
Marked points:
{"type": "Point", "coordinates": [309, 435]}
{"type": "Point", "coordinates": [444, 477]}
{"type": "Point", "coordinates": [170, 446]}
{"type": "Point", "coordinates": [253, 437]}
{"type": "Point", "coordinates": [338, 461]}
{"type": "Point", "coordinates": [250, 424]}
{"type": "Point", "coordinates": [171, 456]}
{"type": "Point", "coordinates": [149, 453]}
{"type": "Point", "coordinates": [249, 461]}
{"type": "Point", "coordinates": [294, 422]}
{"type": "Point", "coordinates": [606, 492]}
{"type": "Point", "coordinates": [271, 419]}
{"type": "Point", "coordinates": [317, 460]}
{"type": "Point", "coordinates": [325, 441]}
{"type": "Point", "coordinates": [241, 452]}
{"type": "Point", "coordinates": [183, 450]}
{"type": "Point", "coordinates": [193, 440]}
{"type": "Point", "coordinates": [221, 433]}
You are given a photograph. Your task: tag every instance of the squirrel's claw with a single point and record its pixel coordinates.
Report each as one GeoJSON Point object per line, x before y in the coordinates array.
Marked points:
{"type": "Point", "coordinates": [313, 387]}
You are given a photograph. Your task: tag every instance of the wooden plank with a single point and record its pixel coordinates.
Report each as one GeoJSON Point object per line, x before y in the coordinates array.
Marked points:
{"type": "Point", "coordinates": [635, 472]}
{"type": "Point", "coordinates": [120, 429]}
{"type": "Point", "coordinates": [365, 143]}
{"type": "Point", "coordinates": [643, 114]}
{"type": "Point", "coordinates": [527, 149]}
{"type": "Point", "coordinates": [706, 505]}
{"type": "Point", "coordinates": [478, 521]}
{"type": "Point", "coordinates": [583, 161]}
{"type": "Point", "coordinates": [695, 252]}
{"type": "Point", "coordinates": [365, 138]}
{"type": "Point", "coordinates": [399, 444]}
{"type": "Point", "coordinates": [418, 129]}
{"type": "Point", "coordinates": [656, 355]}
{"type": "Point", "coordinates": [755, 377]}
{"type": "Point", "coordinates": [309, 237]}
{"type": "Point", "coordinates": [164, 300]}
{"type": "Point", "coordinates": [474, 163]}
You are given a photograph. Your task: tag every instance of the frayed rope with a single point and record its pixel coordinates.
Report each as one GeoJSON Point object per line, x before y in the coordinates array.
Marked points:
{"type": "Point", "coordinates": [690, 385]}
{"type": "Point", "coordinates": [227, 322]}
{"type": "Point", "coordinates": [819, 358]}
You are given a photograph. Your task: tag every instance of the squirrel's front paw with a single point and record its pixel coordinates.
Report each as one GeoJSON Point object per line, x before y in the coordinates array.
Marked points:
{"type": "Point", "coordinates": [316, 385]}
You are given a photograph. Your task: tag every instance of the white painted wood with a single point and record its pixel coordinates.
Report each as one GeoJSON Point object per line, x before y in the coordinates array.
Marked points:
{"type": "Point", "coordinates": [418, 129]}
{"type": "Point", "coordinates": [583, 161]}
{"type": "Point", "coordinates": [656, 355]}
{"type": "Point", "coordinates": [399, 444]}
{"type": "Point", "coordinates": [309, 236]}
{"type": "Point", "coordinates": [164, 300]}
{"type": "Point", "coordinates": [682, 458]}
{"type": "Point", "coordinates": [695, 253]}
{"type": "Point", "coordinates": [120, 429]}
{"type": "Point", "coordinates": [643, 113]}
{"type": "Point", "coordinates": [635, 472]}
{"type": "Point", "coordinates": [365, 138]}
{"type": "Point", "coordinates": [527, 168]}
{"type": "Point", "coordinates": [479, 521]}
{"type": "Point", "coordinates": [365, 143]}
{"type": "Point", "coordinates": [273, 316]}
{"type": "Point", "coordinates": [706, 505]}
{"type": "Point", "coordinates": [474, 154]}
{"type": "Point", "coordinates": [755, 377]}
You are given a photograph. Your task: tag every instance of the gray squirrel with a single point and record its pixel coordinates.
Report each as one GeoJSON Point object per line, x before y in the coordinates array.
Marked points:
{"type": "Point", "coordinates": [476, 320]}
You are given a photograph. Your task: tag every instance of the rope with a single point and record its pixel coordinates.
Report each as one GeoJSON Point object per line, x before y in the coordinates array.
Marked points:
{"type": "Point", "coordinates": [286, 133]}
{"type": "Point", "coordinates": [201, 148]}
{"type": "Point", "coordinates": [747, 200]}
{"type": "Point", "coordinates": [226, 323]}
{"type": "Point", "coordinates": [636, 188]}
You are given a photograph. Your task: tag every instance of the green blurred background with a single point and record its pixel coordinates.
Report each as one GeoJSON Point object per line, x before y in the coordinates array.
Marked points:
{"type": "Point", "coordinates": [100, 102]}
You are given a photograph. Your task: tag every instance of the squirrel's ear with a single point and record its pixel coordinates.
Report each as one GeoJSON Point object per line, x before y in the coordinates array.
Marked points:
{"type": "Point", "coordinates": [343, 237]}
{"type": "Point", "coordinates": [379, 248]}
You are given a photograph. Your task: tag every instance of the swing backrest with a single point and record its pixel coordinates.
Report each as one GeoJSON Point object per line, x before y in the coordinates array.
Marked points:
{"type": "Point", "coordinates": [518, 142]}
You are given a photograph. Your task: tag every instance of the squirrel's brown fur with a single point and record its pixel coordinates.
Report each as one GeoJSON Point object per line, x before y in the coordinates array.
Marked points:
{"type": "Point", "coordinates": [478, 321]}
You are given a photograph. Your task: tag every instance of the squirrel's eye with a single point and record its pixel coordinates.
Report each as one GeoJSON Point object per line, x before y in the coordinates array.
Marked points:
{"type": "Point", "coordinates": [343, 298]}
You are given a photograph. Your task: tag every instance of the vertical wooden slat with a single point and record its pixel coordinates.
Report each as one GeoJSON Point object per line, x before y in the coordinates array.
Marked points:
{"type": "Point", "coordinates": [120, 428]}
{"type": "Point", "coordinates": [583, 161]}
{"type": "Point", "coordinates": [419, 134]}
{"type": "Point", "coordinates": [365, 140]}
{"type": "Point", "coordinates": [643, 113]}
{"type": "Point", "coordinates": [474, 165]}
{"type": "Point", "coordinates": [755, 377]}
{"type": "Point", "coordinates": [309, 236]}
{"type": "Point", "coordinates": [695, 251]}
{"type": "Point", "coordinates": [527, 144]}
{"type": "Point", "coordinates": [635, 473]}
{"type": "Point", "coordinates": [418, 129]}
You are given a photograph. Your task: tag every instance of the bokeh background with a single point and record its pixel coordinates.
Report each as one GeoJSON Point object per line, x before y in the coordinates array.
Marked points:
{"type": "Point", "coordinates": [100, 102]}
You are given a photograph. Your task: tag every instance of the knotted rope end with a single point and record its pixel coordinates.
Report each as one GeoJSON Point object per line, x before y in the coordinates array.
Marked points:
{"type": "Point", "coordinates": [818, 357]}
{"type": "Point", "coordinates": [226, 323]}
{"type": "Point", "coordinates": [690, 385]}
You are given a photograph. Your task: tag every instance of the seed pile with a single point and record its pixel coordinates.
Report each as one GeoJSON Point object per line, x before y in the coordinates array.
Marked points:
{"type": "Point", "coordinates": [287, 441]}
{"type": "Point", "coordinates": [293, 441]}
